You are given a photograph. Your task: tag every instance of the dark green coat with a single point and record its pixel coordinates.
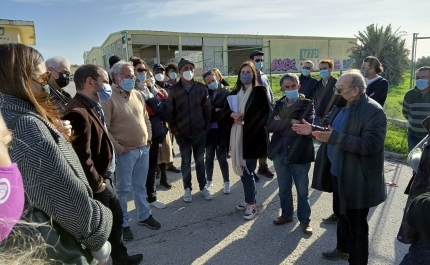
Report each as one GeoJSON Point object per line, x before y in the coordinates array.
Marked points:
{"type": "Point", "coordinates": [361, 142]}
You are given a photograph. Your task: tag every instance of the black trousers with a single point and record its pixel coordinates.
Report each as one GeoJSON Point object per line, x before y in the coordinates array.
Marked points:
{"type": "Point", "coordinates": [109, 199]}
{"type": "Point", "coordinates": [151, 191]}
{"type": "Point", "coordinates": [352, 230]}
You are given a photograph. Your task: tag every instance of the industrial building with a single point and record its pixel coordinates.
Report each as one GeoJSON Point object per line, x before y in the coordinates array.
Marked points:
{"type": "Point", "coordinates": [223, 51]}
{"type": "Point", "coordinates": [17, 31]}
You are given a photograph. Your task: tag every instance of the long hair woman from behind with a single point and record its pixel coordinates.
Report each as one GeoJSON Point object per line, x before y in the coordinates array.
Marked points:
{"type": "Point", "coordinates": [248, 140]}
{"type": "Point", "coordinates": [55, 184]}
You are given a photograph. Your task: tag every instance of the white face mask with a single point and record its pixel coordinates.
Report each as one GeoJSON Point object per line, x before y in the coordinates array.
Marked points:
{"type": "Point", "coordinates": [188, 75]}
{"type": "Point", "coordinates": [159, 77]}
{"type": "Point", "coordinates": [152, 80]}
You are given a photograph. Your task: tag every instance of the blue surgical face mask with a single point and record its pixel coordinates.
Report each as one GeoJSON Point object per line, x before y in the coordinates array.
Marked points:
{"type": "Point", "coordinates": [141, 76]}
{"type": "Point", "coordinates": [422, 83]}
{"type": "Point", "coordinates": [213, 85]}
{"type": "Point", "coordinates": [106, 93]}
{"type": "Point", "coordinates": [246, 78]}
{"type": "Point", "coordinates": [324, 73]}
{"type": "Point", "coordinates": [173, 75]}
{"type": "Point", "coordinates": [127, 84]}
{"type": "Point", "coordinates": [306, 72]}
{"type": "Point", "coordinates": [291, 94]}
{"type": "Point", "coordinates": [258, 65]}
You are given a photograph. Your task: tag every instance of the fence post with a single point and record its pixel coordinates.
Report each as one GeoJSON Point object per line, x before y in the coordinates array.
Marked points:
{"type": "Point", "coordinates": [270, 64]}
{"type": "Point", "coordinates": [414, 43]}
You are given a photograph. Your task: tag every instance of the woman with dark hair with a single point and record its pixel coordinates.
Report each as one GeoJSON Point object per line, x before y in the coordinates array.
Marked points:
{"type": "Point", "coordinates": [54, 181]}
{"type": "Point", "coordinates": [218, 137]}
{"type": "Point", "coordinates": [172, 73]}
{"type": "Point", "coordinates": [377, 86]}
{"type": "Point", "coordinates": [248, 138]}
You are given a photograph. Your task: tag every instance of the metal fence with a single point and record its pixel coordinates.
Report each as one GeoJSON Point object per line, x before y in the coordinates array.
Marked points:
{"type": "Point", "coordinates": [420, 54]}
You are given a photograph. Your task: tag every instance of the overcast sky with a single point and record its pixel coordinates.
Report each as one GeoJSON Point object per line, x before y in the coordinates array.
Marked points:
{"type": "Point", "coordinates": [70, 27]}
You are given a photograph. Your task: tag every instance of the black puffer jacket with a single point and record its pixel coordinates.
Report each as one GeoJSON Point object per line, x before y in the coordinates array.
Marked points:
{"type": "Point", "coordinates": [220, 117]}
{"type": "Point", "coordinates": [191, 112]}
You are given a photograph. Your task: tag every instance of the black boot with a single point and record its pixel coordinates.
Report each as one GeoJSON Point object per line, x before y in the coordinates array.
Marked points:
{"type": "Point", "coordinates": [163, 179]}
{"type": "Point", "coordinates": [172, 168]}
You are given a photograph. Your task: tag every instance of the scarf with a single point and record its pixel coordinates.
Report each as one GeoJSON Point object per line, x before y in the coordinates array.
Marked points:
{"type": "Point", "coordinates": [236, 135]}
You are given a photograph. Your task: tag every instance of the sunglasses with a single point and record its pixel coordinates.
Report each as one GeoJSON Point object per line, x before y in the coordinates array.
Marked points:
{"type": "Point", "coordinates": [259, 60]}
{"type": "Point", "coordinates": [307, 68]}
{"type": "Point", "coordinates": [338, 91]}
{"type": "Point", "coordinates": [43, 79]}
{"type": "Point", "coordinates": [141, 70]}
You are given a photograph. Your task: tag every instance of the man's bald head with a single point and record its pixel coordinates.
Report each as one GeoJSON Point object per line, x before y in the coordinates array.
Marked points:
{"type": "Point", "coordinates": [354, 79]}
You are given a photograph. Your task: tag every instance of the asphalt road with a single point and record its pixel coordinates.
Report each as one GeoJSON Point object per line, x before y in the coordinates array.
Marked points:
{"type": "Point", "coordinates": [214, 232]}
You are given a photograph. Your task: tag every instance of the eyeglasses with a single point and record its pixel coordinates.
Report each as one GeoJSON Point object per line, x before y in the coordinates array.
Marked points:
{"type": "Point", "coordinates": [307, 68]}
{"type": "Point", "coordinates": [141, 70]}
{"type": "Point", "coordinates": [259, 60]}
{"type": "Point", "coordinates": [337, 90]}
{"type": "Point", "coordinates": [128, 76]}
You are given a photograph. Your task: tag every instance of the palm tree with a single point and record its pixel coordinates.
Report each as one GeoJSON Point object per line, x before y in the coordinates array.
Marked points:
{"type": "Point", "coordinates": [385, 44]}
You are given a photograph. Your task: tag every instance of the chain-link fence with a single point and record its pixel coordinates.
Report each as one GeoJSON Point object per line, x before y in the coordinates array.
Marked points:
{"type": "Point", "coordinates": [420, 54]}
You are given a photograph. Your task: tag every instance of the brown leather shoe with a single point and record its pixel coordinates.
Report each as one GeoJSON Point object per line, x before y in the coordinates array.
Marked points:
{"type": "Point", "coordinates": [282, 220]}
{"type": "Point", "coordinates": [307, 229]}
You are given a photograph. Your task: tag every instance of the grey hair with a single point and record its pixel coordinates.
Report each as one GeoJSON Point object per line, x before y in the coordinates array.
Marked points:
{"type": "Point", "coordinates": [357, 80]}
{"type": "Point", "coordinates": [309, 61]}
{"type": "Point", "coordinates": [289, 76]}
{"type": "Point", "coordinates": [117, 68]}
{"type": "Point", "coordinates": [424, 68]}
{"type": "Point", "coordinates": [56, 61]}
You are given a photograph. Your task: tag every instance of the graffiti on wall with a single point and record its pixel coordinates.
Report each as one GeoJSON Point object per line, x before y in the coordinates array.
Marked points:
{"type": "Point", "coordinates": [209, 65]}
{"type": "Point", "coordinates": [309, 54]}
{"type": "Point", "coordinates": [284, 64]}
{"type": "Point", "coordinates": [336, 65]}
{"type": "Point", "coordinates": [347, 63]}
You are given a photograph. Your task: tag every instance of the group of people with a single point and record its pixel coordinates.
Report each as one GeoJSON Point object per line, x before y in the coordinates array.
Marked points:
{"type": "Point", "coordinates": [81, 156]}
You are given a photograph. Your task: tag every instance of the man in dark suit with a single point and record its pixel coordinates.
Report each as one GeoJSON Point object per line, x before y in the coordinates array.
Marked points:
{"type": "Point", "coordinates": [95, 151]}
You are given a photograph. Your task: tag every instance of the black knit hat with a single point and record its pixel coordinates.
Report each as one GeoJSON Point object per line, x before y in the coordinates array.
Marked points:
{"type": "Point", "coordinates": [183, 62]}
{"type": "Point", "coordinates": [255, 53]}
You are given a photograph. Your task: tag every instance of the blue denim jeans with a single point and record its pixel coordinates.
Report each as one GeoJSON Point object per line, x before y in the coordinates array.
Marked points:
{"type": "Point", "coordinates": [286, 173]}
{"type": "Point", "coordinates": [413, 141]}
{"type": "Point", "coordinates": [221, 155]}
{"type": "Point", "coordinates": [248, 181]}
{"type": "Point", "coordinates": [131, 174]}
{"type": "Point", "coordinates": [195, 146]}
{"type": "Point", "coordinates": [419, 253]}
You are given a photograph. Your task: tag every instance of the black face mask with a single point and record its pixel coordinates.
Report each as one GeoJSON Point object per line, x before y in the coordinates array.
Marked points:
{"type": "Point", "coordinates": [63, 79]}
{"type": "Point", "coordinates": [340, 101]}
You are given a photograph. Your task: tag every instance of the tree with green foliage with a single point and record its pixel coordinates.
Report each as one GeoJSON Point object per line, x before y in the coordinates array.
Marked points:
{"type": "Point", "coordinates": [387, 45]}
{"type": "Point", "coordinates": [423, 61]}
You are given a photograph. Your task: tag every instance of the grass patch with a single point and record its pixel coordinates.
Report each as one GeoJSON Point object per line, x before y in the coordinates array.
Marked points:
{"type": "Point", "coordinates": [396, 141]}
{"type": "Point", "coordinates": [396, 92]}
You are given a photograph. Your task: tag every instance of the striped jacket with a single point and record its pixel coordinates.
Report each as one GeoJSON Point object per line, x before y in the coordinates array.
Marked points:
{"type": "Point", "coordinates": [53, 178]}
{"type": "Point", "coordinates": [416, 107]}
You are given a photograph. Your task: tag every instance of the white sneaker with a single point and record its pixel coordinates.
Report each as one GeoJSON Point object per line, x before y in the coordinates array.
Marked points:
{"type": "Point", "coordinates": [242, 206]}
{"type": "Point", "coordinates": [251, 211]}
{"type": "Point", "coordinates": [205, 192]}
{"type": "Point", "coordinates": [157, 204]}
{"type": "Point", "coordinates": [209, 184]}
{"type": "Point", "coordinates": [187, 195]}
{"type": "Point", "coordinates": [226, 187]}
